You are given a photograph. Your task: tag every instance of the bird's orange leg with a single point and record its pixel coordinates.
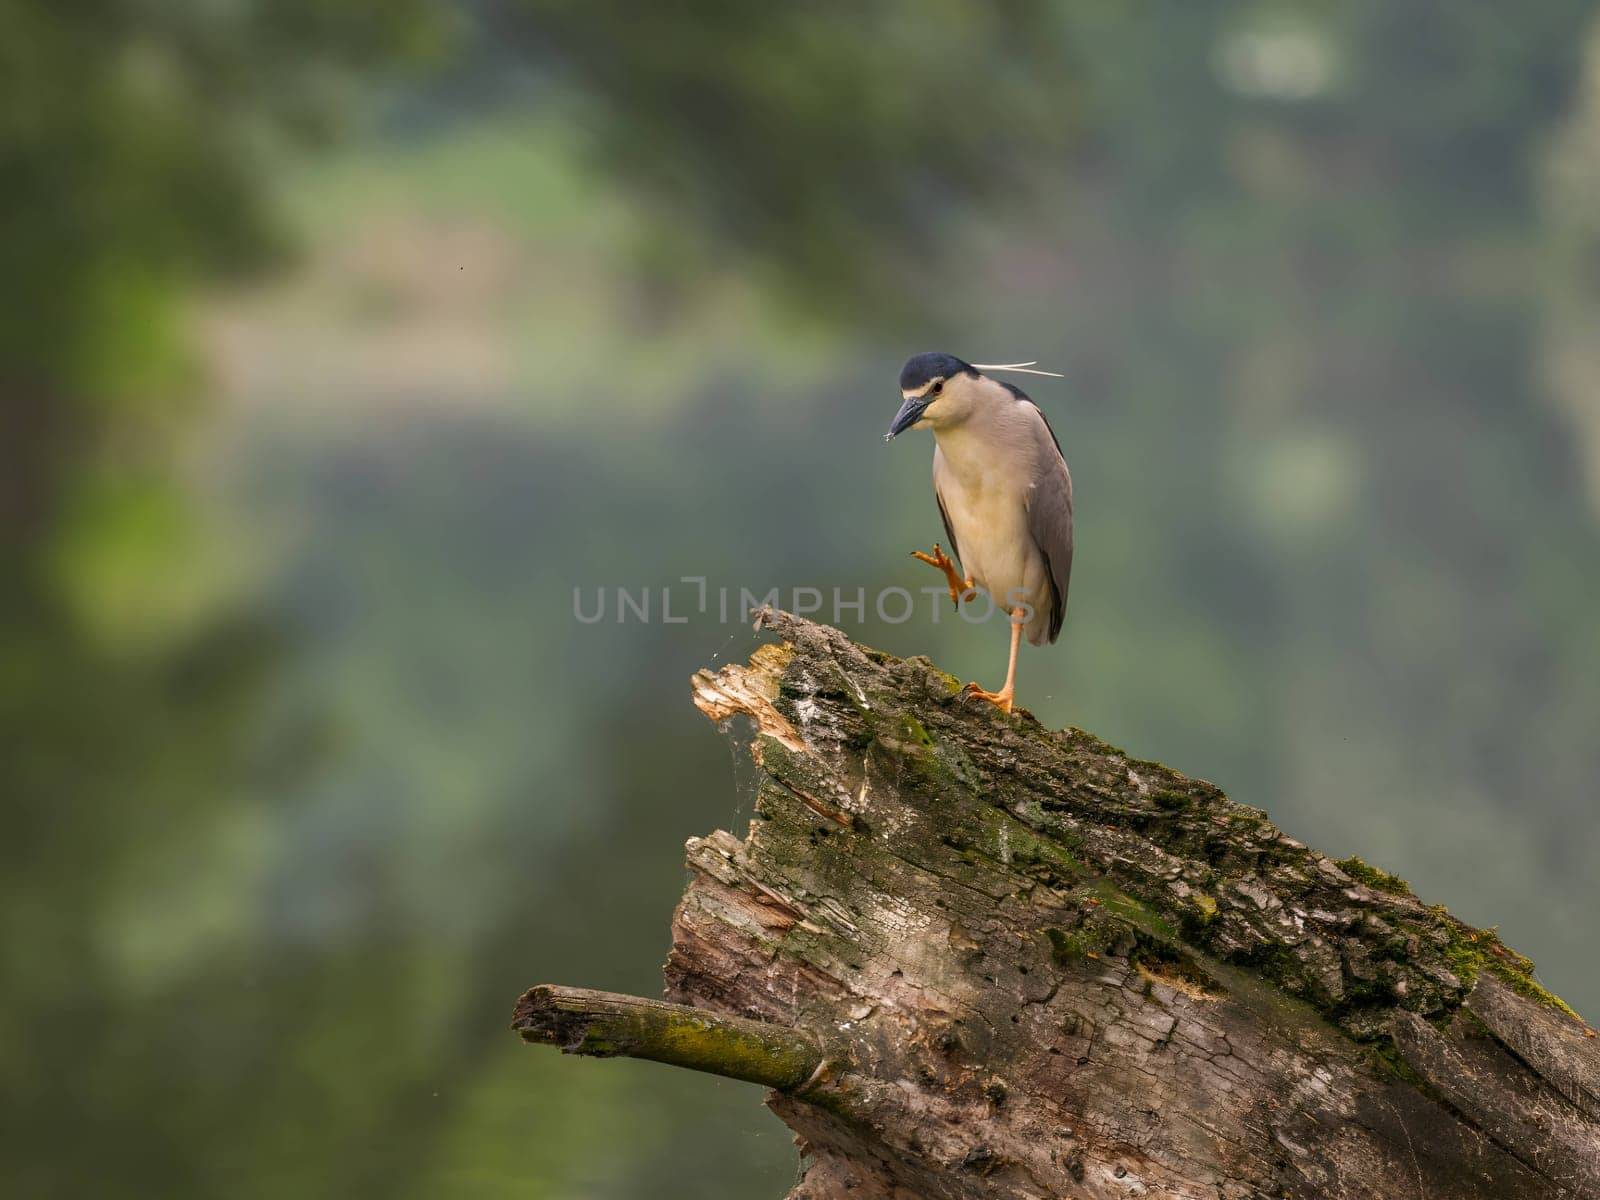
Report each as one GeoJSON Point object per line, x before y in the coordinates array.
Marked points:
{"type": "Point", "coordinates": [1002, 698]}
{"type": "Point", "coordinates": [959, 586]}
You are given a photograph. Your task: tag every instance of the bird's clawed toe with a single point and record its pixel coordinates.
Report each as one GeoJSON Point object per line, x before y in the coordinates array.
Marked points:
{"type": "Point", "coordinates": [959, 586]}
{"type": "Point", "coordinates": [1001, 699]}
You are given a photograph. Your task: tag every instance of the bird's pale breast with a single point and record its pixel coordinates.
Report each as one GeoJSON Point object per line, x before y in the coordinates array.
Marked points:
{"type": "Point", "coordinates": [975, 471]}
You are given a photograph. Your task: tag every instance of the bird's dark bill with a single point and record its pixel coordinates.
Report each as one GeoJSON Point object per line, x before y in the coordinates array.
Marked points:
{"type": "Point", "coordinates": [910, 413]}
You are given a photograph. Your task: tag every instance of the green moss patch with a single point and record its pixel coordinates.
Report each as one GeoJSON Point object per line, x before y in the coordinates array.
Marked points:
{"type": "Point", "coordinates": [1373, 877]}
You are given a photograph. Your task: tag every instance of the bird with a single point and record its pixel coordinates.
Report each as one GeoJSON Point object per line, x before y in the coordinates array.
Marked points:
{"type": "Point", "coordinates": [1004, 494]}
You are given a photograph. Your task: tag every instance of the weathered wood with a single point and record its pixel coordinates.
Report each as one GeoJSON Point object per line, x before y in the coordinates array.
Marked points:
{"type": "Point", "coordinates": [1042, 968]}
{"type": "Point", "coordinates": [606, 1025]}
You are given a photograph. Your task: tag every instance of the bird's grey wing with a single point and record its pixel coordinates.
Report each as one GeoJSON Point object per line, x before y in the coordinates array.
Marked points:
{"type": "Point", "coordinates": [944, 514]}
{"type": "Point", "coordinates": [1050, 516]}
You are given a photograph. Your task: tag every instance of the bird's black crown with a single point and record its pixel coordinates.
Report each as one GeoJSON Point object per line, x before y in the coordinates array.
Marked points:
{"type": "Point", "coordinates": [920, 368]}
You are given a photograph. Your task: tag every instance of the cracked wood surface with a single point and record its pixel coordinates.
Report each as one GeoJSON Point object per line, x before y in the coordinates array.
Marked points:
{"type": "Point", "coordinates": [1047, 969]}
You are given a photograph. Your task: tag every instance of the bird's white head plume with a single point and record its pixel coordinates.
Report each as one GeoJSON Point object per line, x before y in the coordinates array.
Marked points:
{"type": "Point", "coordinates": [1022, 368]}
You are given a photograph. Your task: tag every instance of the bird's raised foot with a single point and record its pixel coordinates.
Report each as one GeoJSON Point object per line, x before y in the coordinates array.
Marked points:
{"type": "Point", "coordinates": [1001, 699]}
{"type": "Point", "coordinates": [959, 585]}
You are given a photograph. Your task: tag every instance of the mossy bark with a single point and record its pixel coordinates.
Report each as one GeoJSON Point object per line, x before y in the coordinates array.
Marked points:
{"type": "Point", "coordinates": [1038, 967]}
{"type": "Point", "coordinates": [608, 1025]}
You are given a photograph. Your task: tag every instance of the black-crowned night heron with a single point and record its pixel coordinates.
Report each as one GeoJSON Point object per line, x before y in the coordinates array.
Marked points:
{"type": "Point", "coordinates": [1004, 492]}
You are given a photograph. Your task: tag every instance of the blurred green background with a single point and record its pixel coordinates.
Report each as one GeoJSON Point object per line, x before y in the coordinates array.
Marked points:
{"type": "Point", "coordinates": [341, 342]}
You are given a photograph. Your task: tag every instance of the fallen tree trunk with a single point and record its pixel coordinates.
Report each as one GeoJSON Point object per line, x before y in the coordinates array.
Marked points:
{"type": "Point", "coordinates": [977, 958]}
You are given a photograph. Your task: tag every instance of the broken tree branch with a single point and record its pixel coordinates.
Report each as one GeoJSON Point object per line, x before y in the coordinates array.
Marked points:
{"type": "Point", "coordinates": [993, 960]}
{"type": "Point", "coordinates": [610, 1025]}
